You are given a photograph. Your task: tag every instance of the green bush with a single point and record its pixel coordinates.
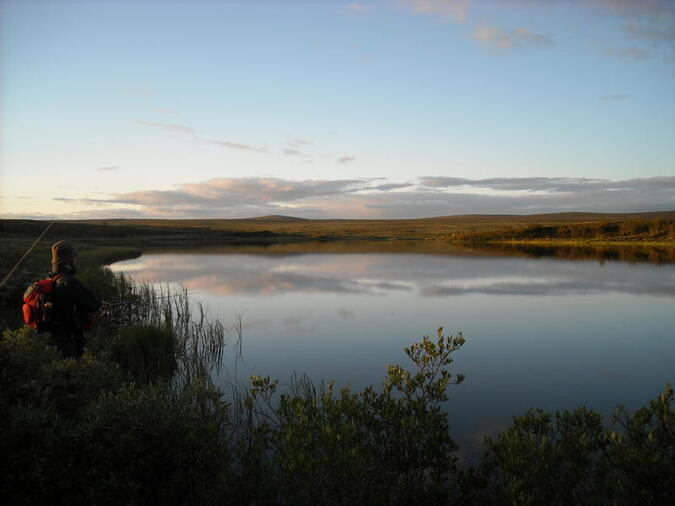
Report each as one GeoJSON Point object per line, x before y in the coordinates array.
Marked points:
{"type": "Point", "coordinates": [316, 446]}
{"type": "Point", "coordinates": [571, 458]}
{"type": "Point", "coordinates": [544, 459]}
{"type": "Point", "coordinates": [641, 454]}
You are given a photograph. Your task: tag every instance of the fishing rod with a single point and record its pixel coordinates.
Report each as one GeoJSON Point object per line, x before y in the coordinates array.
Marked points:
{"type": "Point", "coordinates": [26, 253]}
{"type": "Point", "coordinates": [116, 304]}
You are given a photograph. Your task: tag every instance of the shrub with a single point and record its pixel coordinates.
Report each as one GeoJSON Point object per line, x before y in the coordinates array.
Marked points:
{"type": "Point", "coordinates": [77, 432]}
{"type": "Point", "coordinates": [641, 455]}
{"type": "Point", "coordinates": [571, 458]}
{"type": "Point", "coordinates": [323, 447]}
{"type": "Point", "coordinates": [544, 459]}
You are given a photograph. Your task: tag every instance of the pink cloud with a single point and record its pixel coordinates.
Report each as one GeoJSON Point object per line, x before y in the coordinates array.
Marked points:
{"type": "Point", "coordinates": [453, 9]}
{"type": "Point", "coordinates": [357, 7]}
{"type": "Point", "coordinates": [502, 39]}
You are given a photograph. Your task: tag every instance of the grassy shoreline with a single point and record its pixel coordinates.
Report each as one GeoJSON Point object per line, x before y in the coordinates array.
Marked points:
{"type": "Point", "coordinates": [569, 229]}
{"type": "Point", "coordinates": [576, 242]}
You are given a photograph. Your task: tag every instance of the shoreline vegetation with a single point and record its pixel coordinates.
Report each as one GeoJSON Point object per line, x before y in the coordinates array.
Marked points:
{"type": "Point", "coordinates": [138, 420]}
{"type": "Point", "coordinates": [628, 228]}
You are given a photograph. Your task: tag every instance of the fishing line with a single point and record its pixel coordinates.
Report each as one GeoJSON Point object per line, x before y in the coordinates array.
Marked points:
{"type": "Point", "coordinates": [26, 253]}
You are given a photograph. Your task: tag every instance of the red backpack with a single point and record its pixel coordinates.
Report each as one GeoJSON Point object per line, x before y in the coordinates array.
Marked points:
{"type": "Point", "coordinates": [38, 303]}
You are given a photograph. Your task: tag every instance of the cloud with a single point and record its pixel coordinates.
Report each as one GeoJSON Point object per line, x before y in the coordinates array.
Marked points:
{"type": "Point", "coordinates": [357, 7]}
{"type": "Point", "coordinates": [184, 129]}
{"type": "Point", "coordinates": [518, 38]}
{"type": "Point", "coordinates": [391, 186]}
{"type": "Point", "coordinates": [647, 20]}
{"type": "Point", "coordinates": [168, 112]}
{"type": "Point", "coordinates": [552, 185]}
{"type": "Point", "coordinates": [88, 214]}
{"type": "Point", "coordinates": [531, 184]}
{"type": "Point", "coordinates": [658, 31]}
{"type": "Point", "coordinates": [292, 152]}
{"type": "Point", "coordinates": [109, 168]}
{"type": "Point", "coordinates": [459, 9]}
{"type": "Point", "coordinates": [230, 192]}
{"type": "Point", "coordinates": [346, 159]}
{"type": "Point", "coordinates": [298, 143]}
{"type": "Point", "coordinates": [168, 127]}
{"type": "Point", "coordinates": [614, 98]}
{"type": "Point", "coordinates": [628, 53]}
{"type": "Point", "coordinates": [634, 7]}
{"type": "Point", "coordinates": [236, 145]}
{"type": "Point", "coordinates": [450, 9]}
{"type": "Point", "coordinates": [371, 198]}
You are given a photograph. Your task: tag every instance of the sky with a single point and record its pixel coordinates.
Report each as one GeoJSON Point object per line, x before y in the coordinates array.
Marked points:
{"type": "Point", "coordinates": [335, 109]}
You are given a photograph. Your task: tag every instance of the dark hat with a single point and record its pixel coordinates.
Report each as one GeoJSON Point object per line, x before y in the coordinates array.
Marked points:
{"type": "Point", "coordinates": [63, 253]}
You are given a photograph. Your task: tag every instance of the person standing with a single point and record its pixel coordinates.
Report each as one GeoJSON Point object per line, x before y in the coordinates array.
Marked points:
{"type": "Point", "coordinates": [74, 304]}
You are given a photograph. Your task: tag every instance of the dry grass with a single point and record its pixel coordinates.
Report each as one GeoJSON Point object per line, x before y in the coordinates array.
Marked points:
{"type": "Point", "coordinates": [441, 228]}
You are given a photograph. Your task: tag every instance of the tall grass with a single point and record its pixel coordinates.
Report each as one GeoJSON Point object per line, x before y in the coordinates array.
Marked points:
{"type": "Point", "coordinates": [143, 313]}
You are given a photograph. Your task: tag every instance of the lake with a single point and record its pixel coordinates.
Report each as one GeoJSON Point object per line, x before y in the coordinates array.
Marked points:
{"type": "Point", "coordinates": [543, 330]}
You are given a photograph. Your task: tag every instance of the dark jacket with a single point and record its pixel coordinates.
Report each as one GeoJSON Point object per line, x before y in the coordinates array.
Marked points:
{"type": "Point", "coordinates": [72, 302]}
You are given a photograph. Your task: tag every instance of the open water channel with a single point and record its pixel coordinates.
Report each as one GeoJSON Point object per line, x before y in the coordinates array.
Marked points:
{"type": "Point", "coordinates": [541, 332]}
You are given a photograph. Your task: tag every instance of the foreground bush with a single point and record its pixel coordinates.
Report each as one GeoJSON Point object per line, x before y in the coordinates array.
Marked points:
{"type": "Point", "coordinates": [87, 432]}
{"type": "Point", "coordinates": [78, 432]}
{"type": "Point", "coordinates": [572, 458]}
{"type": "Point", "coordinates": [316, 446]}
{"type": "Point", "coordinates": [146, 352]}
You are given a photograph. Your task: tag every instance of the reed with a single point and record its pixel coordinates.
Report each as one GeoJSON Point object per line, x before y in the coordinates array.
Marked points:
{"type": "Point", "coordinates": [196, 341]}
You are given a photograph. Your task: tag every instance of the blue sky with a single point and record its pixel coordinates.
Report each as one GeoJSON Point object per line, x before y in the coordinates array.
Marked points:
{"type": "Point", "coordinates": [336, 109]}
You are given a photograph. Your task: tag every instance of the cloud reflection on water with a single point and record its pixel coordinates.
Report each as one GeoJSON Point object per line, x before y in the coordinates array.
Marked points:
{"type": "Point", "coordinates": [381, 274]}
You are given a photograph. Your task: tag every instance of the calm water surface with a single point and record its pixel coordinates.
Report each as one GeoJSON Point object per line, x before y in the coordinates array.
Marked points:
{"type": "Point", "coordinates": [541, 332]}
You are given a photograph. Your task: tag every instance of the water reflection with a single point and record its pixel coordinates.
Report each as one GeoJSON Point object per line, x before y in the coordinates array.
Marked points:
{"type": "Point", "coordinates": [458, 272]}
{"type": "Point", "coordinates": [542, 332]}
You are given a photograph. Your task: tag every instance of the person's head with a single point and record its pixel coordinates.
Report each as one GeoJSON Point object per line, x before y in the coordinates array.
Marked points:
{"type": "Point", "coordinates": [63, 254]}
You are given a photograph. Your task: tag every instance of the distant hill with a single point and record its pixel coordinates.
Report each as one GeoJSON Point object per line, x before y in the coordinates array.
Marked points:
{"type": "Point", "coordinates": [276, 217]}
